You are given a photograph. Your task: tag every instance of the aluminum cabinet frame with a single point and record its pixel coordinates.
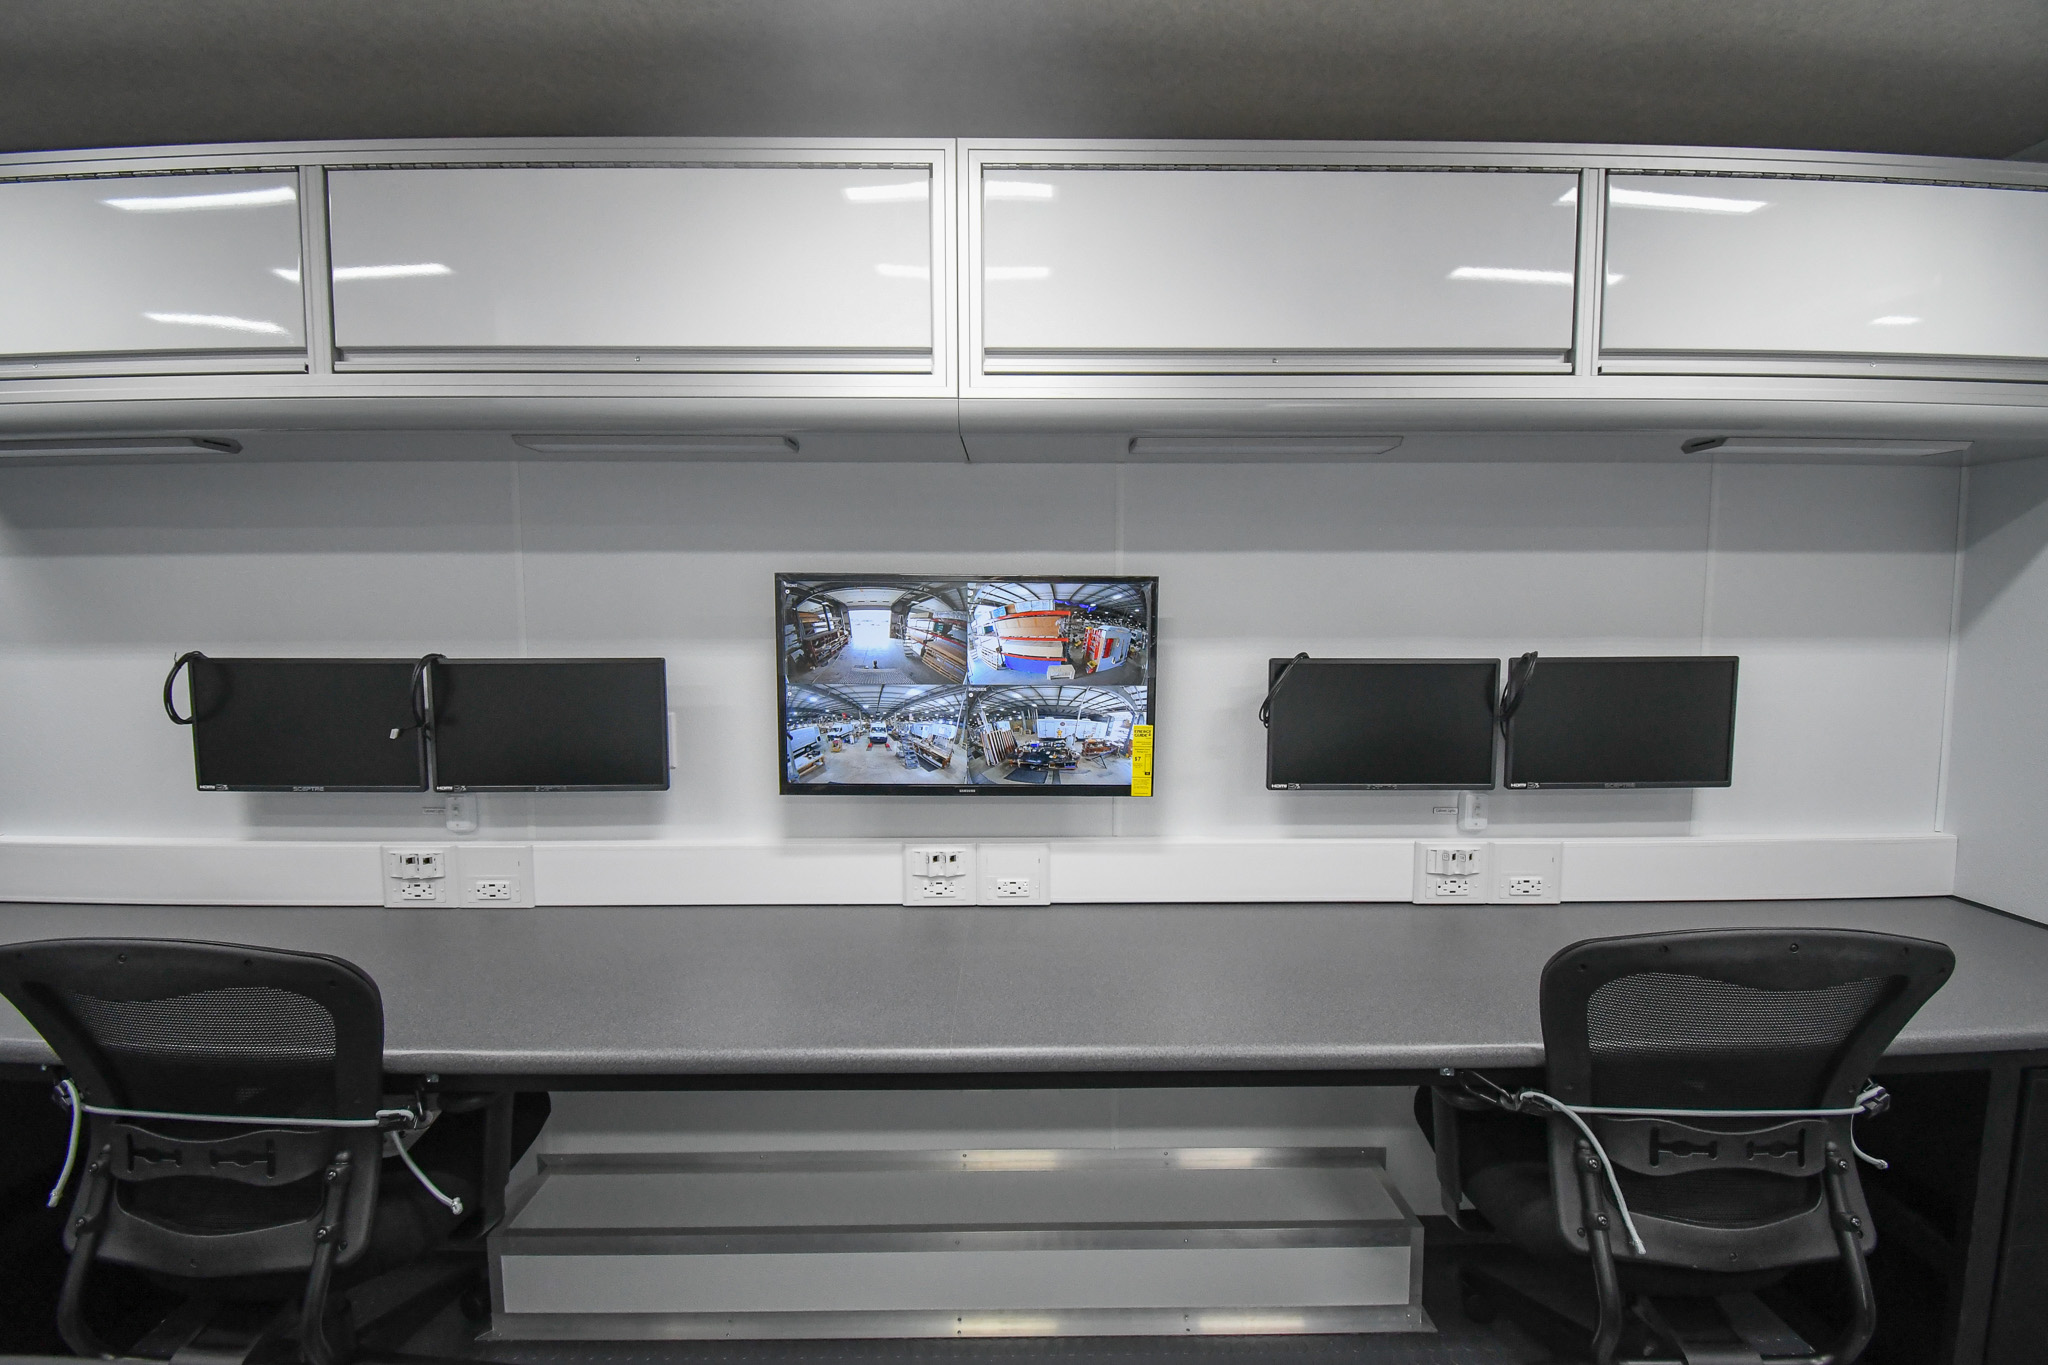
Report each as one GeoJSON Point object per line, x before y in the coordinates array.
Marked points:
{"type": "Point", "coordinates": [852, 416]}
{"type": "Point", "coordinates": [1096, 417]}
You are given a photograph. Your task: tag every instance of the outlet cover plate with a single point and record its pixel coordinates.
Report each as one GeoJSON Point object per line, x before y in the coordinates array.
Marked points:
{"type": "Point", "coordinates": [1013, 874]}
{"type": "Point", "coordinates": [921, 887]}
{"type": "Point", "coordinates": [474, 863]}
{"type": "Point", "coordinates": [1434, 887]}
{"type": "Point", "coordinates": [405, 878]}
{"type": "Point", "coordinates": [1528, 872]}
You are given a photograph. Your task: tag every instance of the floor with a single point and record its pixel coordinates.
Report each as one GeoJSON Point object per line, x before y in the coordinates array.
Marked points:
{"type": "Point", "coordinates": [1130, 673]}
{"type": "Point", "coordinates": [886, 663]}
{"type": "Point", "coordinates": [1091, 772]}
{"type": "Point", "coordinates": [884, 764]}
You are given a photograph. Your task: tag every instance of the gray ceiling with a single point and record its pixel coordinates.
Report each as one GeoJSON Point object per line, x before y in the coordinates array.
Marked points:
{"type": "Point", "coordinates": [1950, 77]}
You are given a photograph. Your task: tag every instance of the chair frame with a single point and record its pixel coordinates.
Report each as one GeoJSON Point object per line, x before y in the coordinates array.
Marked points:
{"type": "Point", "coordinates": [122, 1150]}
{"type": "Point", "coordinates": [1838, 1228]}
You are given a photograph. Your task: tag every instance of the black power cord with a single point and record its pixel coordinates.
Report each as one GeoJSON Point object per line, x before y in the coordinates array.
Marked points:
{"type": "Point", "coordinates": [1519, 672]}
{"type": "Point", "coordinates": [1266, 706]}
{"type": "Point", "coordinates": [185, 660]}
{"type": "Point", "coordinates": [422, 698]}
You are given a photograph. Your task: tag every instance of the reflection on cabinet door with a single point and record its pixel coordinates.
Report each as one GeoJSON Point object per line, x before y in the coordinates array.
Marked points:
{"type": "Point", "coordinates": [724, 269]}
{"type": "Point", "coordinates": [1261, 270]}
{"type": "Point", "coordinates": [162, 273]}
{"type": "Point", "coordinates": [1755, 275]}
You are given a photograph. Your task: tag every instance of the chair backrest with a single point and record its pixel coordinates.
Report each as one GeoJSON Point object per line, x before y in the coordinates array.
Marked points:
{"type": "Point", "coordinates": [218, 1029]}
{"type": "Point", "coordinates": [1721, 1019]}
{"type": "Point", "coordinates": [213, 1028]}
{"type": "Point", "coordinates": [1730, 1018]}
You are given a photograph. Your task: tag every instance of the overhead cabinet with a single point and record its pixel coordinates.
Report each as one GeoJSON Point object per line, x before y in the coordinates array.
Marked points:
{"type": "Point", "coordinates": [1259, 269]}
{"type": "Point", "coordinates": [778, 269]}
{"type": "Point", "coordinates": [1777, 275]}
{"type": "Point", "coordinates": [151, 274]}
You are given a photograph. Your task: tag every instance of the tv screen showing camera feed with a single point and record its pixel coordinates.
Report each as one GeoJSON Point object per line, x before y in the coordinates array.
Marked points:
{"type": "Point", "coordinates": [899, 685]}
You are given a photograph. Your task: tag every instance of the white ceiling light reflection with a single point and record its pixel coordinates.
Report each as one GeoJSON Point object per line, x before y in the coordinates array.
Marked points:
{"type": "Point", "coordinates": [220, 320]}
{"type": "Point", "coordinates": [1893, 320]}
{"type": "Point", "coordinates": [288, 273]}
{"type": "Point", "coordinates": [227, 199]}
{"type": "Point", "coordinates": [416, 270]}
{"type": "Point", "coordinates": [1012, 1159]}
{"type": "Point", "coordinates": [1017, 272]}
{"type": "Point", "coordinates": [1005, 1325]}
{"type": "Point", "coordinates": [1623, 197]}
{"type": "Point", "coordinates": [910, 192]}
{"type": "Point", "coordinates": [903, 272]}
{"type": "Point", "coordinates": [1505, 274]}
{"type": "Point", "coordinates": [1018, 189]}
{"type": "Point", "coordinates": [1250, 1324]}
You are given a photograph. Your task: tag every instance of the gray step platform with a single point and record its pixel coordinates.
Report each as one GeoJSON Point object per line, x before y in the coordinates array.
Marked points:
{"type": "Point", "coordinates": [996, 1243]}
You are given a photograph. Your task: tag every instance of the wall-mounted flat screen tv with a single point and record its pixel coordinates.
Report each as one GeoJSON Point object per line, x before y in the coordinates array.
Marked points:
{"type": "Point", "coordinates": [1376, 724]}
{"type": "Point", "coordinates": [280, 725]}
{"type": "Point", "coordinates": [1624, 723]}
{"type": "Point", "coordinates": [1019, 685]}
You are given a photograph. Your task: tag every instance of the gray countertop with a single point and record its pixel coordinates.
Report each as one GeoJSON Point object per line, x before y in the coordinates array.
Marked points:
{"type": "Point", "coordinates": [708, 990]}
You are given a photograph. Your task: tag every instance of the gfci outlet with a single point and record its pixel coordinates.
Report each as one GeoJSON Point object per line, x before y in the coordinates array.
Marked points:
{"type": "Point", "coordinates": [496, 875]}
{"type": "Point", "coordinates": [1013, 874]}
{"type": "Point", "coordinates": [938, 874]}
{"type": "Point", "coordinates": [1527, 872]}
{"type": "Point", "coordinates": [1452, 873]}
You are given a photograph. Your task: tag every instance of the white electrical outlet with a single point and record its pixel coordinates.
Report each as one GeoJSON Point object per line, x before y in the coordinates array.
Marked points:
{"type": "Point", "coordinates": [1527, 872]}
{"type": "Point", "coordinates": [409, 892]}
{"type": "Point", "coordinates": [938, 874]}
{"type": "Point", "coordinates": [1451, 873]}
{"type": "Point", "coordinates": [1013, 874]}
{"type": "Point", "coordinates": [497, 875]}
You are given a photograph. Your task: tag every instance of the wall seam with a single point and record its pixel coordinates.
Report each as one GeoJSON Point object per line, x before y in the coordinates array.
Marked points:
{"type": "Point", "coordinates": [1955, 649]}
{"type": "Point", "coordinates": [1707, 577]}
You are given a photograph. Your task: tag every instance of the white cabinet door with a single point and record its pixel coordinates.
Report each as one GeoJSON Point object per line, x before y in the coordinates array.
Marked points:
{"type": "Point", "coordinates": [1275, 270]}
{"type": "Point", "coordinates": [1715, 274]}
{"type": "Point", "coordinates": [163, 272]}
{"type": "Point", "coordinates": [777, 268]}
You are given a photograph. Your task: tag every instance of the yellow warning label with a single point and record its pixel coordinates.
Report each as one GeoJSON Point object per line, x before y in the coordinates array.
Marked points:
{"type": "Point", "coordinates": [1141, 760]}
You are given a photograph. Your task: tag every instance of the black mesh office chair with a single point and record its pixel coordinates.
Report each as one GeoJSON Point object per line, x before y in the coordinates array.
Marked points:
{"type": "Point", "coordinates": [1679, 1030]}
{"type": "Point", "coordinates": [224, 1210]}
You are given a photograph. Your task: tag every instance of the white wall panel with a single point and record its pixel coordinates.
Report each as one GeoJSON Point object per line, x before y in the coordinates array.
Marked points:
{"type": "Point", "coordinates": [1151, 260]}
{"type": "Point", "coordinates": [1832, 583]}
{"type": "Point", "coordinates": [1836, 588]}
{"type": "Point", "coordinates": [1998, 760]}
{"type": "Point", "coordinates": [150, 265]}
{"type": "Point", "coordinates": [1736, 265]}
{"type": "Point", "coordinates": [781, 258]}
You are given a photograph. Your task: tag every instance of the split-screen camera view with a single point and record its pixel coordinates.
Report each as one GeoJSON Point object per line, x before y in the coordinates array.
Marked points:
{"type": "Point", "coordinates": [1014, 684]}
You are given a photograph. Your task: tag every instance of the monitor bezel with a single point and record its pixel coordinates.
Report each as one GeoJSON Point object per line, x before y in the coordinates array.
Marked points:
{"type": "Point", "coordinates": [1728, 759]}
{"type": "Point", "coordinates": [667, 751]}
{"type": "Point", "coordinates": [419, 744]}
{"type": "Point", "coordinates": [1493, 748]}
{"type": "Point", "coordinates": [787, 788]}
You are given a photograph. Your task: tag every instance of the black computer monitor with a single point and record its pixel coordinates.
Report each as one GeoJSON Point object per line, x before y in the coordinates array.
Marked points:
{"type": "Point", "coordinates": [1416, 724]}
{"type": "Point", "coordinates": [550, 725]}
{"type": "Point", "coordinates": [1625, 723]}
{"type": "Point", "coordinates": [279, 725]}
